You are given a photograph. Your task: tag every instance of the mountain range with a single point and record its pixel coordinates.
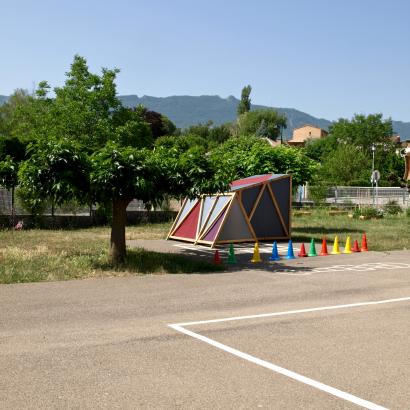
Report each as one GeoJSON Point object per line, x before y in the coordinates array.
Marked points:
{"type": "Point", "coordinates": [186, 110]}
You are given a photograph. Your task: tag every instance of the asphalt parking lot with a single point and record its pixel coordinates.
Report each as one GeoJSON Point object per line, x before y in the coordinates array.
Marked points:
{"type": "Point", "coordinates": [321, 333]}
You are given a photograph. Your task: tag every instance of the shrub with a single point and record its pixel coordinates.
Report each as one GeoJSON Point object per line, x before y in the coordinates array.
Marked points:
{"type": "Point", "coordinates": [408, 212]}
{"type": "Point", "coordinates": [392, 208]}
{"type": "Point", "coordinates": [371, 212]}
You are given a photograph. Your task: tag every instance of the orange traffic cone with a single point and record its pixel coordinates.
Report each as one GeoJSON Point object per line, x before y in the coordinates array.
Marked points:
{"type": "Point", "coordinates": [356, 246]}
{"type": "Point", "coordinates": [302, 253]}
{"type": "Point", "coordinates": [323, 251]}
{"type": "Point", "coordinates": [364, 243]}
{"type": "Point", "coordinates": [217, 258]}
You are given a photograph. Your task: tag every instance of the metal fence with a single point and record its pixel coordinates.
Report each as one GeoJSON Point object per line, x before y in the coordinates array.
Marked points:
{"type": "Point", "coordinates": [368, 195]}
{"type": "Point", "coordinates": [345, 195]}
{"type": "Point", "coordinates": [69, 209]}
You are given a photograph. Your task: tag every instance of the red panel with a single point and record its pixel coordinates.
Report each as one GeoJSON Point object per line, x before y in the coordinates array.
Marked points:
{"type": "Point", "coordinates": [188, 228]}
{"type": "Point", "coordinates": [251, 180]}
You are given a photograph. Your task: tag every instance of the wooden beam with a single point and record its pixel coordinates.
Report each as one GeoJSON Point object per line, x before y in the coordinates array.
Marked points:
{"type": "Point", "coordinates": [224, 220]}
{"type": "Point", "coordinates": [256, 202]}
{"type": "Point", "coordinates": [247, 219]}
{"type": "Point", "coordinates": [278, 210]}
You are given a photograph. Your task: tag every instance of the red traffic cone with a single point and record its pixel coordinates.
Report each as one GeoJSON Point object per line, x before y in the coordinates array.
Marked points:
{"type": "Point", "coordinates": [364, 243]}
{"type": "Point", "coordinates": [302, 253]}
{"type": "Point", "coordinates": [356, 246]}
{"type": "Point", "coordinates": [217, 258]}
{"type": "Point", "coordinates": [323, 251]}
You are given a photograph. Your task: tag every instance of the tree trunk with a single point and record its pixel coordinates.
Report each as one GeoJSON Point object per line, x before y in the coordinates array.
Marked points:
{"type": "Point", "coordinates": [119, 219]}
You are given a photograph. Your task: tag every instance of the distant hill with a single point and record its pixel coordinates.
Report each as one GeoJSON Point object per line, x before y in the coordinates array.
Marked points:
{"type": "Point", "coordinates": [185, 110]}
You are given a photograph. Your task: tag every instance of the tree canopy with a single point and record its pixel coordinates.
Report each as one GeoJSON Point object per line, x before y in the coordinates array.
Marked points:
{"type": "Point", "coordinates": [245, 102]}
{"type": "Point", "coordinates": [258, 122]}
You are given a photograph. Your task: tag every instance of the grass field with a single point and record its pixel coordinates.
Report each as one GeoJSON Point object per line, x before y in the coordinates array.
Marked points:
{"type": "Point", "coordinates": [47, 255]}
{"type": "Point", "coordinates": [385, 234]}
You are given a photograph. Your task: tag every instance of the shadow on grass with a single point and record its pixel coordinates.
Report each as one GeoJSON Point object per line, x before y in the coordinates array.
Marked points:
{"type": "Point", "coordinates": [145, 262]}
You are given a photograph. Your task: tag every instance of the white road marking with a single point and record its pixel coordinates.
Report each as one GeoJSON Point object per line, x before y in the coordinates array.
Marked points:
{"type": "Point", "coordinates": [180, 327]}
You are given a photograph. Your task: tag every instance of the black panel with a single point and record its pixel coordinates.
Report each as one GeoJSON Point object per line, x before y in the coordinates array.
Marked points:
{"type": "Point", "coordinates": [265, 220]}
{"type": "Point", "coordinates": [248, 198]}
{"type": "Point", "coordinates": [281, 190]}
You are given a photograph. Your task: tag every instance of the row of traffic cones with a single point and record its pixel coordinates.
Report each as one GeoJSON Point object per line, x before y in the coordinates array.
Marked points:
{"type": "Point", "coordinates": [256, 258]}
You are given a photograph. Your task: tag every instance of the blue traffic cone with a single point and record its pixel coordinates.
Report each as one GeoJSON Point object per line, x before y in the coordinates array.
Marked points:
{"type": "Point", "coordinates": [275, 254]}
{"type": "Point", "coordinates": [290, 254]}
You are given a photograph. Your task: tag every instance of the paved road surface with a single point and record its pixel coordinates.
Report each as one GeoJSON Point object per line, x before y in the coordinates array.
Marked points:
{"type": "Point", "coordinates": [105, 343]}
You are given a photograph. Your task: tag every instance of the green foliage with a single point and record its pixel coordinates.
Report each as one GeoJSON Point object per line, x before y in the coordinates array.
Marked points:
{"type": "Point", "coordinates": [121, 172]}
{"type": "Point", "coordinates": [251, 122]}
{"type": "Point", "coordinates": [245, 156]}
{"type": "Point", "coordinates": [408, 212]}
{"type": "Point", "coordinates": [370, 212]}
{"type": "Point", "coordinates": [159, 124]}
{"type": "Point", "coordinates": [8, 173]}
{"type": "Point", "coordinates": [56, 170]}
{"type": "Point", "coordinates": [131, 128]}
{"type": "Point", "coordinates": [347, 165]}
{"type": "Point", "coordinates": [392, 208]}
{"type": "Point", "coordinates": [362, 131]}
{"type": "Point", "coordinates": [245, 103]}
{"type": "Point", "coordinates": [319, 149]}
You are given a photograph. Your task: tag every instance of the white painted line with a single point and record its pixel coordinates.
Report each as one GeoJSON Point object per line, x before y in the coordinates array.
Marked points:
{"type": "Point", "coordinates": [293, 312]}
{"type": "Point", "coordinates": [285, 372]}
{"type": "Point", "coordinates": [180, 327]}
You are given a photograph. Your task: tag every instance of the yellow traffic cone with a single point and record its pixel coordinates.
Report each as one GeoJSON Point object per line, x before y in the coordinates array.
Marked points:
{"type": "Point", "coordinates": [256, 257]}
{"type": "Point", "coordinates": [348, 246]}
{"type": "Point", "coordinates": [336, 250]}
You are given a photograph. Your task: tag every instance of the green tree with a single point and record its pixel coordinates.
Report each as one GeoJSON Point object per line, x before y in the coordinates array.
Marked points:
{"type": "Point", "coordinates": [245, 102]}
{"type": "Point", "coordinates": [250, 122]}
{"type": "Point", "coordinates": [363, 131]}
{"type": "Point", "coordinates": [245, 156]}
{"type": "Point", "coordinates": [347, 165]}
{"type": "Point", "coordinates": [91, 148]}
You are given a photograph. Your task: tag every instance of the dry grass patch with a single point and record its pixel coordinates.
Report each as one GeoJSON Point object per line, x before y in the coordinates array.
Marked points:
{"type": "Point", "coordinates": [49, 255]}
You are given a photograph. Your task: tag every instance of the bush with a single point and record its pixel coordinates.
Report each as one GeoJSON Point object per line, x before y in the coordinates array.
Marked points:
{"type": "Point", "coordinates": [392, 208]}
{"type": "Point", "coordinates": [370, 212]}
{"type": "Point", "coordinates": [408, 212]}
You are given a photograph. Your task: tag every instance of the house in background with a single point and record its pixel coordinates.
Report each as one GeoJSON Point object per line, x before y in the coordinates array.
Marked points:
{"type": "Point", "coordinates": [305, 132]}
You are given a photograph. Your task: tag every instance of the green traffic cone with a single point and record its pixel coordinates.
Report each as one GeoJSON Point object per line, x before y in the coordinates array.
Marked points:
{"type": "Point", "coordinates": [312, 249]}
{"type": "Point", "coordinates": [231, 255]}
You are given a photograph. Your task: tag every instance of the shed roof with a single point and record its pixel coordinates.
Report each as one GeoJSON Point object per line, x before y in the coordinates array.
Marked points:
{"type": "Point", "coordinates": [253, 180]}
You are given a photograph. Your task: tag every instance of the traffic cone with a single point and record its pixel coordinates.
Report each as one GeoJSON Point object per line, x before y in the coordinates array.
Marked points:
{"type": "Point", "coordinates": [364, 243]}
{"type": "Point", "coordinates": [312, 249]}
{"type": "Point", "coordinates": [356, 246]}
{"type": "Point", "coordinates": [290, 254]}
{"type": "Point", "coordinates": [348, 246]}
{"type": "Point", "coordinates": [336, 250]}
{"type": "Point", "coordinates": [275, 254]}
{"type": "Point", "coordinates": [302, 253]}
{"type": "Point", "coordinates": [323, 251]}
{"type": "Point", "coordinates": [231, 255]}
{"type": "Point", "coordinates": [217, 258]}
{"type": "Point", "coordinates": [256, 257]}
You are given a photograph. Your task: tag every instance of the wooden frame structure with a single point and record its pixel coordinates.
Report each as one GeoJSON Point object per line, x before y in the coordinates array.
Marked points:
{"type": "Point", "coordinates": [256, 209]}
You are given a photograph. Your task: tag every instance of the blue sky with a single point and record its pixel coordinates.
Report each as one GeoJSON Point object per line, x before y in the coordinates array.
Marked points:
{"type": "Point", "coordinates": [328, 58]}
